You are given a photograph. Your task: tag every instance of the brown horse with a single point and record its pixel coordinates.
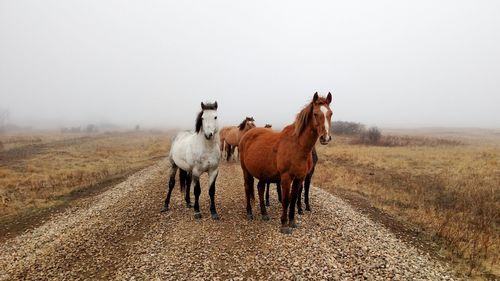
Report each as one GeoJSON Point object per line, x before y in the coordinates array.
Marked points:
{"type": "Point", "coordinates": [230, 136]}
{"type": "Point", "coordinates": [306, 187]}
{"type": "Point", "coordinates": [284, 157]}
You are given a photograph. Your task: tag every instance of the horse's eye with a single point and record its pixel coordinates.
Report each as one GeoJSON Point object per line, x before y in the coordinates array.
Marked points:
{"type": "Point", "coordinates": [215, 118]}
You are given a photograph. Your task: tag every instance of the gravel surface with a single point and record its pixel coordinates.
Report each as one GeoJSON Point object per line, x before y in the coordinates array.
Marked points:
{"type": "Point", "coordinates": [120, 234]}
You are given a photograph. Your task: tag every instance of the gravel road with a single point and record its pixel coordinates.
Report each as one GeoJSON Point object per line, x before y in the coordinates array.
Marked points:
{"type": "Point", "coordinates": [120, 234]}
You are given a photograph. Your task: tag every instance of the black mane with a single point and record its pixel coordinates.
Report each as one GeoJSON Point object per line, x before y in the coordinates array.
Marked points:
{"type": "Point", "coordinates": [242, 125]}
{"type": "Point", "coordinates": [198, 122]}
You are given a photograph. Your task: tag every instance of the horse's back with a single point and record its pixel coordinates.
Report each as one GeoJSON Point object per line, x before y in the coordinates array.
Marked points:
{"type": "Point", "coordinates": [258, 149]}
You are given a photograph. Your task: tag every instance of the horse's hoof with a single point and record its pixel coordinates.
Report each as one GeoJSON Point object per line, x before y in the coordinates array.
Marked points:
{"type": "Point", "coordinates": [189, 205]}
{"type": "Point", "coordinates": [308, 208]}
{"type": "Point", "coordinates": [294, 224]}
{"type": "Point", "coordinates": [197, 215]}
{"type": "Point", "coordinates": [165, 208]}
{"type": "Point", "coordinates": [300, 212]}
{"type": "Point", "coordinates": [265, 217]}
{"type": "Point", "coordinates": [215, 216]}
{"type": "Point", "coordinates": [250, 217]}
{"type": "Point", "coordinates": [267, 204]}
{"type": "Point", "coordinates": [286, 230]}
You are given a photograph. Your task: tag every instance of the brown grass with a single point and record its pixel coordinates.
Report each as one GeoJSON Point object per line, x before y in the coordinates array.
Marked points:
{"type": "Point", "coordinates": [448, 188]}
{"type": "Point", "coordinates": [38, 171]}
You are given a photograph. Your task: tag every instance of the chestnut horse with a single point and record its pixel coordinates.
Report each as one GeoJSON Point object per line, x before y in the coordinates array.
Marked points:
{"type": "Point", "coordinates": [284, 156]}
{"type": "Point", "coordinates": [307, 184]}
{"type": "Point", "coordinates": [230, 136]}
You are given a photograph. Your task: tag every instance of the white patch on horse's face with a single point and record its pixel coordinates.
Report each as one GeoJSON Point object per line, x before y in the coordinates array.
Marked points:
{"type": "Point", "coordinates": [209, 123]}
{"type": "Point", "coordinates": [327, 138]}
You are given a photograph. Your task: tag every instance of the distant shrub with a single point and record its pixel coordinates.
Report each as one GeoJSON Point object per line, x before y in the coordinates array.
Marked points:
{"type": "Point", "coordinates": [371, 136]}
{"type": "Point", "coordinates": [347, 128]}
{"type": "Point", "coordinates": [91, 128]}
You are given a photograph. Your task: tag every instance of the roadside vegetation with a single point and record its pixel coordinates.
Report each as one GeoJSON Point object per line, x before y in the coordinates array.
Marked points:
{"type": "Point", "coordinates": [41, 170]}
{"type": "Point", "coordinates": [448, 188]}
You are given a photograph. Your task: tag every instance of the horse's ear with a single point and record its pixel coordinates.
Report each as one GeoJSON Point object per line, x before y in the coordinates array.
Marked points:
{"type": "Point", "coordinates": [202, 106]}
{"type": "Point", "coordinates": [329, 98]}
{"type": "Point", "coordinates": [215, 105]}
{"type": "Point", "coordinates": [315, 98]}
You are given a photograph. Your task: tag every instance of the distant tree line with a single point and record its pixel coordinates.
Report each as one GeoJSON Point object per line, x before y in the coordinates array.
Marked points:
{"type": "Point", "coordinates": [363, 135]}
{"type": "Point", "coordinates": [91, 128]}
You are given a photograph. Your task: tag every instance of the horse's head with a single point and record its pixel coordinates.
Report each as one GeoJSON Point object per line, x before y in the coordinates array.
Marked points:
{"type": "Point", "coordinates": [250, 122]}
{"type": "Point", "coordinates": [247, 124]}
{"type": "Point", "coordinates": [322, 117]}
{"type": "Point", "coordinates": [207, 120]}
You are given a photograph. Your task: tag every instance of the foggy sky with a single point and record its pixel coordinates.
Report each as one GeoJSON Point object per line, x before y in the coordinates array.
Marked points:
{"type": "Point", "coordinates": [387, 63]}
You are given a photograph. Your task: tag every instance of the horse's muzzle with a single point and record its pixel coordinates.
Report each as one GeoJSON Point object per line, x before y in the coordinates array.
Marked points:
{"type": "Point", "coordinates": [209, 136]}
{"type": "Point", "coordinates": [325, 140]}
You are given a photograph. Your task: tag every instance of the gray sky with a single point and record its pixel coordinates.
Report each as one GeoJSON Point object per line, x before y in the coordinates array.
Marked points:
{"type": "Point", "coordinates": [387, 63]}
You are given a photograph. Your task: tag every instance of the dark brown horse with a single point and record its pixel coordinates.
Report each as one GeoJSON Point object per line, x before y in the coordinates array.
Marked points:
{"type": "Point", "coordinates": [307, 184]}
{"type": "Point", "coordinates": [284, 156]}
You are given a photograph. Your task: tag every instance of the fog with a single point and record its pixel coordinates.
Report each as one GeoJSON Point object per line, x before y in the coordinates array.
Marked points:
{"type": "Point", "coordinates": [387, 63]}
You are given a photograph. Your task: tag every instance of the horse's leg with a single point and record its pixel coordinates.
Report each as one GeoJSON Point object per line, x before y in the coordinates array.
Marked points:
{"type": "Point", "coordinates": [212, 177]}
{"type": "Point", "coordinates": [187, 196]}
{"type": "Point", "coordinates": [171, 184]}
{"type": "Point", "coordinates": [233, 151]}
{"type": "Point", "coordinates": [285, 202]}
{"type": "Point", "coordinates": [197, 192]}
{"type": "Point", "coordinates": [299, 200]}
{"type": "Point", "coordinates": [222, 144]}
{"type": "Point", "coordinates": [249, 192]}
{"type": "Point", "coordinates": [267, 193]}
{"type": "Point", "coordinates": [182, 179]}
{"type": "Point", "coordinates": [307, 184]}
{"type": "Point", "coordinates": [294, 194]}
{"type": "Point", "coordinates": [228, 152]}
{"type": "Point", "coordinates": [261, 186]}
{"type": "Point", "coordinates": [278, 190]}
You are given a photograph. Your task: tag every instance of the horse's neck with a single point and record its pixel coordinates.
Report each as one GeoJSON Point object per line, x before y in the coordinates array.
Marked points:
{"type": "Point", "coordinates": [308, 139]}
{"type": "Point", "coordinates": [203, 142]}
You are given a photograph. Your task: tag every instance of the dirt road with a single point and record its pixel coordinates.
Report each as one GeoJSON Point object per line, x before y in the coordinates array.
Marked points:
{"type": "Point", "coordinates": [120, 234]}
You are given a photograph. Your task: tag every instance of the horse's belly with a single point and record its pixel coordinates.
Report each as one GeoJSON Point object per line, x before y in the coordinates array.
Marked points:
{"type": "Point", "coordinates": [181, 163]}
{"type": "Point", "coordinates": [260, 162]}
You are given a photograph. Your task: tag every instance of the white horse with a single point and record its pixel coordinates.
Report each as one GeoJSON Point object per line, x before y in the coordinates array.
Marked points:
{"type": "Point", "coordinates": [196, 153]}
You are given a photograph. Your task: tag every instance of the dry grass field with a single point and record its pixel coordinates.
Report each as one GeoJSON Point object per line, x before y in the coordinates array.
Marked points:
{"type": "Point", "coordinates": [442, 184]}
{"type": "Point", "coordinates": [446, 184]}
{"type": "Point", "coordinates": [44, 169]}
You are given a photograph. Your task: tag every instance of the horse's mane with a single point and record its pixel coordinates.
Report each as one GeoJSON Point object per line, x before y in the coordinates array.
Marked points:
{"type": "Point", "coordinates": [303, 119]}
{"type": "Point", "coordinates": [241, 126]}
{"type": "Point", "coordinates": [199, 120]}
